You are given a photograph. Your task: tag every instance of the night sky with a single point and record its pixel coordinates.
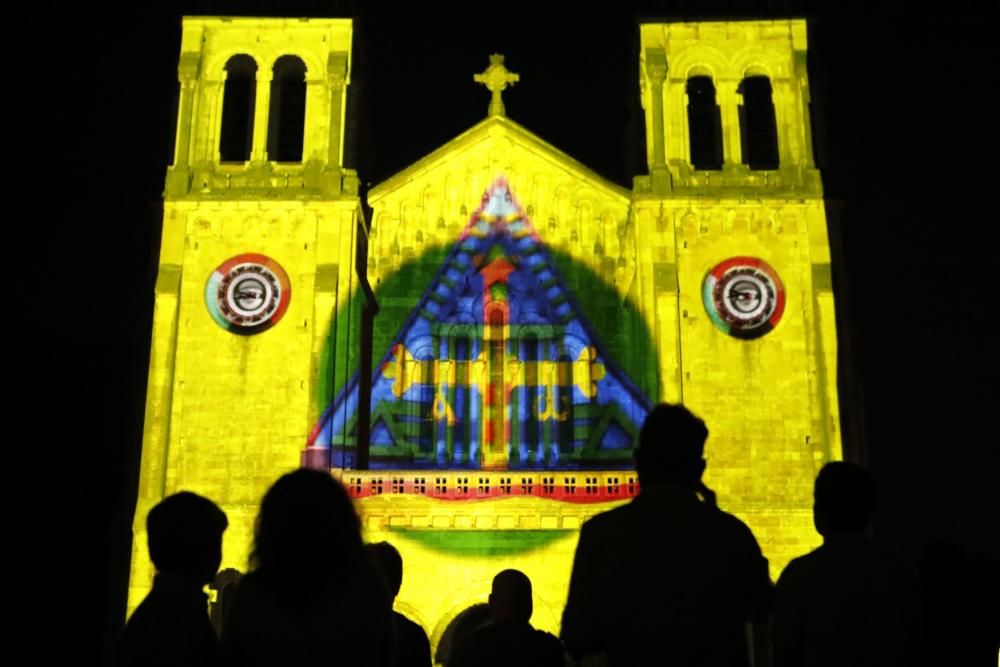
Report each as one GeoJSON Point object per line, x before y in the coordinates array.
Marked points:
{"type": "Point", "coordinates": [902, 121]}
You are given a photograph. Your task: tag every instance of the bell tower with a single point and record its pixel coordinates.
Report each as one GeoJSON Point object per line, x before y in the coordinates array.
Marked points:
{"type": "Point", "coordinates": [735, 270]}
{"type": "Point", "coordinates": [260, 225]}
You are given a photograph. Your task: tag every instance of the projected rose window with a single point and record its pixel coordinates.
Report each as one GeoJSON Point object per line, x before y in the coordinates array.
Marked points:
{"type": "Point", "coordinates": [248, 294]}
{"type": "Point", "coordinates": [744, 297]}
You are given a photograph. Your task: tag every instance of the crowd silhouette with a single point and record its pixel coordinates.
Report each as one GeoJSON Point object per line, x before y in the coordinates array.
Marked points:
{"type": "Point", "coordinates": [667, 579]}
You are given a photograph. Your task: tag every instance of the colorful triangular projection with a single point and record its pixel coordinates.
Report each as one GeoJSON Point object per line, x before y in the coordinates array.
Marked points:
{"type": "Point", "coordinates": [496, 367]}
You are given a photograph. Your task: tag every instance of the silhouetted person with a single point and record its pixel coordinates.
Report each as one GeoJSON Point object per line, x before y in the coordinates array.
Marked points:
{"type": "Point", "coordinates": [413, 649]}
{"type": "Point", "coordinates": [313, 596]}
{"type": "Point", "coordinates": [467, 620]}
{"type": "Point", "coordinates": [224, 584]}
{"type": "Point", "coordinates": [508, 639]}
{"type": "Point", "coordinates": [668, 579]}
{"type": "Point", "coordinates": [171, 626]}
{"type": "Point", "coordinates": [851, 601]}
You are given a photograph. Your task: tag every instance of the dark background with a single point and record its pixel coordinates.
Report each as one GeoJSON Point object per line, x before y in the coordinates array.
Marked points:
{"type": "Point", "coordinates": [902, 118]}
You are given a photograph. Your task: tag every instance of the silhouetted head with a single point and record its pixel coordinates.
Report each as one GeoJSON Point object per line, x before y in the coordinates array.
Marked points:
{"type": "Point", "coordinates": [306, 527]}
{"type": "Point", "coordinates": [844, 499]}
{"type": "Point", "coordinates": [671, 446]}
{"type": "Point", "coordinates": [185, 536]}
{"type": "Point", "coordinates": [390, 563]}
{"type": "Point", "coordinates": [511, 597]}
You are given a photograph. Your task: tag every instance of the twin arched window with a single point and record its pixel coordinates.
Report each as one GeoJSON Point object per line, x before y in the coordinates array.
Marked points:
{"type": "Point", "coordinates": [758, 124]}
{"type": "Point", "coordinates": [238, 96]}
{"type": "Point", "coordinates": [704, 124]}
{"type": "Point", "coordinates": [286, 114]}
{"type": "Point", "coordinates": [286, 119]}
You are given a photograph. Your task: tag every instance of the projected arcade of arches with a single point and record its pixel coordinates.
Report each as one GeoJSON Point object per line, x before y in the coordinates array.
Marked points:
{"type": "Point", "coordinates": [496, 367]}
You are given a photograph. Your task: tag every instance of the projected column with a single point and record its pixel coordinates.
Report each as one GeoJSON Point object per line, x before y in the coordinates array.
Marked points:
{"type": "Point", "coordinates": [529, 437]}
{"type": "Point", "coordinates": [494, 454]}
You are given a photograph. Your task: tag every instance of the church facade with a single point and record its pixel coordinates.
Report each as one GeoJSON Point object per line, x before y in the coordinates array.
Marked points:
{"type": "Point", "coordinates": [530, 312]}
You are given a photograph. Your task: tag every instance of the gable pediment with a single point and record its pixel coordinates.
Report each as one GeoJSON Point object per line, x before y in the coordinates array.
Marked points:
{"type": "Point", "coordinates": [427, 204]}
{"type": "Point", "coordinates": [495, 144]}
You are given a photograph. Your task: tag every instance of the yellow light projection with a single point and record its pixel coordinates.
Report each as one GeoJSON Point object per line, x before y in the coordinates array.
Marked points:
{"type": "Point", "coordinates": [226, 414]}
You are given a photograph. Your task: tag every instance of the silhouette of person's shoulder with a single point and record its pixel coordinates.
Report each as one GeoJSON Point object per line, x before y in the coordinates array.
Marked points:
{"type": "Point", "coordinates": [508, 644]}
{"type": "Point", "coordinates": [549, 648]}
{"type": "Point", "coordinates": [413, 649]}
{"type": "Point", "coordinates": [267, 627]}
{"type": "Point", "coordinates": [850, 601]}
{"type": "Point", "coordinates": [678, 508]}
{"type": "Point", "coordinates": [253, 590]}
{"type": "Point", "coordinates": [170, 627]}
{"type": "Point", "coordinates": [612, 518]}
{"type": "Point", "coordinates": [850, 559]}
{"type": "Point", "coordinates": [729, 524]}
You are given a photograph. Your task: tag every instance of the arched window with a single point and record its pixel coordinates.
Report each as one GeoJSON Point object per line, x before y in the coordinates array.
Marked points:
{"type": "Point", "coordinates": [238, 97]}
{"type": "Point", "coordinates": [286, 120]}
{"type": "Point", "coordinates": [758, 126]}
{"type": "Point", "coordinates": [704, 124]}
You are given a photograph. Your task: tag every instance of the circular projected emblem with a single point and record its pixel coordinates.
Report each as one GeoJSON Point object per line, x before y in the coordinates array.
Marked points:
{"type": "Point", "coordinates": [744, 297]}
{"type": "Point", "coordinates": [248, 294]}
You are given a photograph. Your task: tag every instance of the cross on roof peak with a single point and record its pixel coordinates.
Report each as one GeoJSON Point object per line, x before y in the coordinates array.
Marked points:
{"type": "Point", "coordinates": [496, 78]}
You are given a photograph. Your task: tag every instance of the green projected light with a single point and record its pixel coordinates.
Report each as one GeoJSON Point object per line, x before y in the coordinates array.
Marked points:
{"type": "Point", "coordinates": [495, 543]}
